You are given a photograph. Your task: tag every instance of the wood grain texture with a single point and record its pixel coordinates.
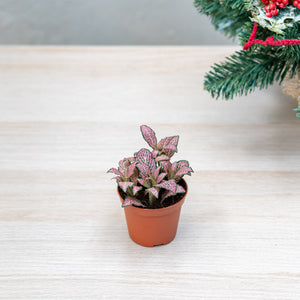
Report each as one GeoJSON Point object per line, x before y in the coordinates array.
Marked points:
{"type": "Point", "coordinates": [70, 113]}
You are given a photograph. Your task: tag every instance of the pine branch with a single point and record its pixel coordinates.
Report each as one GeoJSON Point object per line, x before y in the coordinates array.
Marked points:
{"type": "Point", "coordinates": [258, 67]}
{"type": "Point", "coordinates": [292, 52]}
{"type": "Point", "coordinates": [244, 71]}
{"type": "Point", "coordinates": [227, 16]}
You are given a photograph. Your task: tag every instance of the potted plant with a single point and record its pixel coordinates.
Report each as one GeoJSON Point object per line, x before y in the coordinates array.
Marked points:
{"type": "Point", "coordinates": [152, 190]}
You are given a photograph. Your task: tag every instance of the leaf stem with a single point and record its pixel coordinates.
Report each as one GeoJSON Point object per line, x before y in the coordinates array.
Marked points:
{"type": "Point", "coordinates": [151, 200]}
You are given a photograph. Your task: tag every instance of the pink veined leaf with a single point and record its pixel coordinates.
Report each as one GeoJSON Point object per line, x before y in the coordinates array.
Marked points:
{"type": "Point", "coordinates": [155, 173]}
{"type": "Point", "coordinates": [124, 163]}
{"type": "Point", "coordinates": [171, 147]}
{"type": "Point", "coordinates": [144, 182]}
{"type": "Point", "coordinates": [141, 181]}
{"type": "Point", "coordinates": [131, 201]}
{"type": "Point", "coordinates": [162, 157]}
{"type": "Point", "coordinates": [177, 178]}
{"type": "Point", "coordinates": [163, 142]}
{"type": "Point", "coordinates": [182, 163]}
{"type": "Point", "coordinates": [144, 170]}
{"type": "Point", "coordinates": [144, 157]}
{"type": "Point", "coordinates": [168, 185]}
{"type": "Point", "coordinates": [134, 177]}
{"type": "Point", "coordinates": [183, 171]}
{"type": "Point", "coordinates": [149, 136]}
{"type": "Point", "coordinates": [154, 191]}
{"type": "Point", "coordinates": [124, 185]}
{"type": "Point", "coordinates": [170, 140]}
{"type": "Point", "coordinates": [179, 189]}
{"type": "Point", "coordinates": [115, 171]}
{"type": "Point", "coordinates": [160, 177]}
{"type": "Point", "coordinates": [174, 142]}
{"type": "Point", "coordinates": [174, 166]}
{"type": "Point", "coordinates": [166, 165]}
{"type": "Point", "coordinates": [167, 194]}
{"type": "Point", "coordinates": [136, 189]}
{"type": "Point", "coordinates": [131, 169]}
{"type": "Point", "coordinates": [117, 178]}
{"type": "Point", "coordinates": [154, 153]}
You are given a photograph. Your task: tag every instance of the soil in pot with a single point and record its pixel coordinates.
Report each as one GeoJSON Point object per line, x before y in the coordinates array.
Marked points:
{"type": "Point", "coordinates": [167, 202]}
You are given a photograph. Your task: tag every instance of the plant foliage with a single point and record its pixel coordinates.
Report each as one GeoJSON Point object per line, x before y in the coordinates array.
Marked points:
{"type": "Point", "coordinates": [149, 178]}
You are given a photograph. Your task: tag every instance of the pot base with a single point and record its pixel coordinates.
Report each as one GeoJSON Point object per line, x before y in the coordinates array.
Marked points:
{"type": "Point", "coordinates": [149, 227]}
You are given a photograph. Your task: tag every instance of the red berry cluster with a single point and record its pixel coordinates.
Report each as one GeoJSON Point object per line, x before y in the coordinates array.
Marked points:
{"type": "Point", "coordinates": [272, 7]}
{"type": "Point", "coordinates": [296, 3]}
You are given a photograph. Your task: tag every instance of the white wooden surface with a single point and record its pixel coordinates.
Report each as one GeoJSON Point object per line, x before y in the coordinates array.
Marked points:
{"type": "Point", "coordinates": [69, 114]}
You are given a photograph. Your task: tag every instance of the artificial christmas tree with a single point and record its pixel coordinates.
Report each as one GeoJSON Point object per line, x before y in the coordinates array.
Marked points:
{"type": "Point", "coordinates": [270, 34]}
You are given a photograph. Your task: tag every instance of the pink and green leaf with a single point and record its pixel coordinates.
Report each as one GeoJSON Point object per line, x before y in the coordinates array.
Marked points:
{"type": "Point", "coordinates": [144, 157]}
{"type": "Point", "coordinates": [171, 147]}
{"type": "Point", "coordinates": [124, 185]}
{"type": "Point", "coordinates": [117, 178]}
{"type": "Point", "coordinates": [167, 194]}
{"type": "Point", "coordinates": [166, 165]}
{"type": "Point", "coordinates": [154, 191]}
{"type": "Point", "coordinates": [115, 171]}
{"type": "Point", "coordinates": [160, 177]}
{"type": "Point", "coordinates": [183, 171]}
{"type": "Point", "coordinates": [170, 140]}
{"type": "Point", "coordinates": [174, 166]}
{"type": "Point", "coordinates": [163, 142]}
{"type": "Point", "coordinates": [144, 170]}
{"type": "Point", "coordinates": [124, 164]}
{"type": "Point", "coordinates": [144, 182]}
{"type": "Point", "coordinates": [134, 176]}
{"type": "Point", "coordinates": [132, 201]}
{"type": "Point", "coordinates": [155, 173]}
{"type": "Point", "coordinates": [130, 170]}
{"type": "Point", "coordinates": [182, 163]}
{"type": "Point", "coordinates": [136, 189]}
{"type": "Point", "coordinates": [174, 140]}
{"type": "Point", "coordinates": [162, 157]}
{"type": "Point", "coordinates": [169, 185]}
{"type": "Point", "coordinates": [179, 189]}
{"type": "Point", "coordinates": [155, 153]}
{"type": "Point", "coordinates": [149, 136]}
{"type": "Point", "coordinates": [141, 181]}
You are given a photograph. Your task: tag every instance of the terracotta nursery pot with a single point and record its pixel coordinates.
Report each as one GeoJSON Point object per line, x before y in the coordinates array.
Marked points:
{"type": "Point", "coordinates": [153, 227]}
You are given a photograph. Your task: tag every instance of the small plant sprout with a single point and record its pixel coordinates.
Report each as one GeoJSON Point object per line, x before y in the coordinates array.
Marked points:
{"type": "Point", "coordinates": [149, 178]}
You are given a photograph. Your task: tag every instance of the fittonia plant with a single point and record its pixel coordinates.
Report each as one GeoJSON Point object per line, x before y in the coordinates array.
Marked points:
{"type": "Point", "coordinates": [149, 178]}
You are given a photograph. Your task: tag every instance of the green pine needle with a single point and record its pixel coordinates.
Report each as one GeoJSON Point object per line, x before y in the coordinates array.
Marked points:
{"type": "Point", "coordinates": [227, 16]}
{"type": "Point", "coordinates": [244, 71]}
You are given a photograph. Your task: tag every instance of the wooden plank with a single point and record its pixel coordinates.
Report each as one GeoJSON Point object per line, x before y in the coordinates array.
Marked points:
{"type": "Point", "coordinates": [70, 113]}
{"type": "Point", "coordinates": [99, 146]}
{"type": "Point", "coordinates": [148, 83]}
